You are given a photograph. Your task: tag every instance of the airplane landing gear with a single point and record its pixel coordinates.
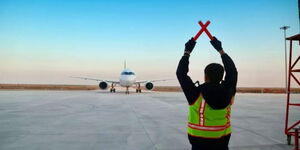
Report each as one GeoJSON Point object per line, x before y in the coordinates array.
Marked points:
{"type": "Point", "coordinates": [112, 89]}
{"type": "Point", "coordinates": [127, 91]}
{"type": "Point", "coordinates": [138, 89]}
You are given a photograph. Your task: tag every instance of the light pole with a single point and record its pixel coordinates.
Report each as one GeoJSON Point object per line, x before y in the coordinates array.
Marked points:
{"type": "Point", "coordinates": [284, 28]}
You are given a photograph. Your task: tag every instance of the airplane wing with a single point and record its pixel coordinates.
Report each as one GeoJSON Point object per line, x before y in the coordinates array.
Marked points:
{"type": "Point", "coordinates": [145, 81]}
{"type": "Point", "coordinates": [100, 80]}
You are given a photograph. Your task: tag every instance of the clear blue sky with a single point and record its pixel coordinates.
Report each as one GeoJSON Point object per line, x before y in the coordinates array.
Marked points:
{"type": "Point", "coordinates": [45, 41]}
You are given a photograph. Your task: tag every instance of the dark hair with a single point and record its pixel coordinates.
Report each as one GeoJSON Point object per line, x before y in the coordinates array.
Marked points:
{"type": "Point", "coordinates": [214, 72]}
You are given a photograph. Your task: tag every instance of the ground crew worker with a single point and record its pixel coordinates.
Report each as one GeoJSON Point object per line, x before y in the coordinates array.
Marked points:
{"type": "Point", "coordinates": [209, 103]}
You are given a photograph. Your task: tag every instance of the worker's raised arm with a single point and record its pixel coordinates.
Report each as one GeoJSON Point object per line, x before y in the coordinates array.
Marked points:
{"type": "Point", "coordinates": [231, 72]}
{"type": "Point", "coordinates": [190, 90]}
{"type": "Point", "coordinates": [230, 80]}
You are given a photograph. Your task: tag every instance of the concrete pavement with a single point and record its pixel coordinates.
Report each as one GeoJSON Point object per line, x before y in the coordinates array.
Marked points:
{"type": "Point", "coordinates": [90, 120]}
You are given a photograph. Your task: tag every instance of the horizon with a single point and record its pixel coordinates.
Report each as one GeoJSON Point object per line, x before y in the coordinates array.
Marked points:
{"type": "Point", "coordinates": [46, 42]}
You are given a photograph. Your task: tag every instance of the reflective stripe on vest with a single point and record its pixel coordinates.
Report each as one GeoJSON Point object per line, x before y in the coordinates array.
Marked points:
{"type": "Point", "coordinates": [203, 121]}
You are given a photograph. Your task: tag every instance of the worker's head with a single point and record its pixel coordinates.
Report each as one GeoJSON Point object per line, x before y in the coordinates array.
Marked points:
{"type": "Point", "coordinates": [214, 73]}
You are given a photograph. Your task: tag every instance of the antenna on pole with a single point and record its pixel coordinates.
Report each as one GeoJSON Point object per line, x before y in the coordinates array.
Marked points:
{"type": "Point", "coordinates": [284, 28]}
{"type": "Point", "coordinates": [299, 12]}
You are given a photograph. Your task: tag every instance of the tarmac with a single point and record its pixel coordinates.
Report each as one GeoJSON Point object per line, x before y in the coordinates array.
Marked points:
{"type": "Point", "coordinates": [99, 120]}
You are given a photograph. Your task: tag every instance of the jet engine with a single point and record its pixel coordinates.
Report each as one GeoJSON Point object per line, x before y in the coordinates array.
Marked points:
{"type": "Point", "coordinates": [103, 85]}
{"type": "Point", "coordinates": [149, 86]}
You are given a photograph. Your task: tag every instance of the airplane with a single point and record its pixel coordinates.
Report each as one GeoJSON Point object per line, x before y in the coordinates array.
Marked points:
{"type": "Point", "coordinates": [127, 79]}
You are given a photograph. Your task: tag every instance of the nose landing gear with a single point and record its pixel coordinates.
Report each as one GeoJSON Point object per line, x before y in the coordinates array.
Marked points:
{"type": "Point", "coordinates": [127, 91]}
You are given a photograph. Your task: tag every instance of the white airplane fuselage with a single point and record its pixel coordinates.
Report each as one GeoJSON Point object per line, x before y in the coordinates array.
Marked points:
{"type": "Point", "coordinates": [127, 78]}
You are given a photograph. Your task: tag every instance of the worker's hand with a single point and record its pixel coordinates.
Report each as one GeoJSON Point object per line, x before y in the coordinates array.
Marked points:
{"type": "Point", "coordinates": [216, 44]}
{"type": "Point", "coordinates": [189, 46]}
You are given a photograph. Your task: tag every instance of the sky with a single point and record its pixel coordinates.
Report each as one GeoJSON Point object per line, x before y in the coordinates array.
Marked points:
{"type": "Point", "coordinates": [47, 41]}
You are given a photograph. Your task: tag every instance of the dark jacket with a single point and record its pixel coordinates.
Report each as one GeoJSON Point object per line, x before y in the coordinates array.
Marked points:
{"type": "Point", "coordinates": [217, 96]}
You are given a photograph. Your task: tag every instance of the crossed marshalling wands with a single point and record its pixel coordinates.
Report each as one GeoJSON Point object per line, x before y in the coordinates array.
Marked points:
{"type": "Point", "coordinates": [203, 29]}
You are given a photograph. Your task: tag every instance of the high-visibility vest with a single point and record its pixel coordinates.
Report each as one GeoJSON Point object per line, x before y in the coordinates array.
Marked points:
{"type": "Point", "coordinates": [206, 122]}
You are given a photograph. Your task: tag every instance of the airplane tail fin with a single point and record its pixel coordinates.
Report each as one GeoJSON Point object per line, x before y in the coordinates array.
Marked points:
{"type": "Point", "coordinates": [125, 64]}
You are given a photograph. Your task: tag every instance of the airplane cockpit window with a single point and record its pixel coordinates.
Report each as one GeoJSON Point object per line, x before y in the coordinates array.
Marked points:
{"type": "Point", "coordinates": [127, 73]}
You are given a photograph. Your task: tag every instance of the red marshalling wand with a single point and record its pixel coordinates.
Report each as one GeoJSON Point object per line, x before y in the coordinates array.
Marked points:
{"type": "Point", "coordinates": [203, 29]}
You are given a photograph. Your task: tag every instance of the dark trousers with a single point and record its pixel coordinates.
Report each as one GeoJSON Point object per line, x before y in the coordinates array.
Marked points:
{"type": "Point", "coordinates": [210, 144]}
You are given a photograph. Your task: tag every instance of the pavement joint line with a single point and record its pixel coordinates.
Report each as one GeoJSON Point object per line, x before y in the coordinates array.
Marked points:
{"type": "Point", "coordinates": [134, 112]}
{"type": "Point", "coordinates": [253, 132]}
